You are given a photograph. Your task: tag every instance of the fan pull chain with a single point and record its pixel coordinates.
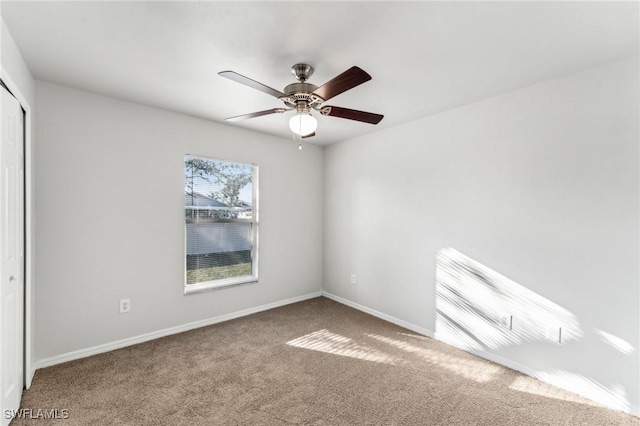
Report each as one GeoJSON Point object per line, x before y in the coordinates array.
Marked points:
{"type": "Point", "coordinates": [299, 139]}
{"type": "Point", "coordinates": [300, 136]}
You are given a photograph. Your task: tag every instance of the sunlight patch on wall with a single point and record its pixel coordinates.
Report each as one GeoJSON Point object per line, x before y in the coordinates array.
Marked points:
{"type": "Point", "coordinates": [615, 342]}
{"type": "Point", "coordinates": [471, 301]}
{"type": "Point", "coordinates": [477, 370]}
{"type": "Point", "coordinates": [335, 344]}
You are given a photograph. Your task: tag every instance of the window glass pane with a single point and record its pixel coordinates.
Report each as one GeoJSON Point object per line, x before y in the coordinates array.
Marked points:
{"type": "Point", "coordinates": [220, 220]}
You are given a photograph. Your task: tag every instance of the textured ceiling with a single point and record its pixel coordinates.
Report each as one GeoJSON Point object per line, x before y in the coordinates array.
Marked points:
{"type": "Point", "coordinates": [424, 57]}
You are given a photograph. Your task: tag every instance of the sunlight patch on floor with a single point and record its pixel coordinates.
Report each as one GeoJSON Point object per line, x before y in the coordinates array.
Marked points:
{"type": "Point", "coordinates": [332, 343]}
{"type": "Point", "coordinates": [536, 387]}
{"type": "Point", "coordinates": [478, 371]}
{"type": "Point", "coordinates": [414, 336]}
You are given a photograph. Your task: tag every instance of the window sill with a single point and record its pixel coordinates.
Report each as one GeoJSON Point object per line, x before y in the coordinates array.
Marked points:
{"type": "Point", "coordinates": [219, 284]}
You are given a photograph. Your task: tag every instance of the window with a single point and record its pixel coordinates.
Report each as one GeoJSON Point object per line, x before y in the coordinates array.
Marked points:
{"type": "Point", "coordinates": [221, 223]}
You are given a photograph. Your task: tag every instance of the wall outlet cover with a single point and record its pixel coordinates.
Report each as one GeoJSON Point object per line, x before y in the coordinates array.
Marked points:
{"type": "Point", "coordinates": [506, 321]}
{"type": "Point", "coordinates": [125, 305]}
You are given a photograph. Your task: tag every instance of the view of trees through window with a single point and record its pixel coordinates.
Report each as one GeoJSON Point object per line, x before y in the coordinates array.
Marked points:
{"type": "Point", "coordinates": [220, 221]}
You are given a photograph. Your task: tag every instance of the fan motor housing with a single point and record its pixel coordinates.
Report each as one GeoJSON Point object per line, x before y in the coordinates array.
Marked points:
{"type": "Point", "coordinates": [301, 92]}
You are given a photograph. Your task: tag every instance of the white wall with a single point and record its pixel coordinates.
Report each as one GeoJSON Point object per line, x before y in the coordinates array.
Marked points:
{"type": "Point", "coordinates": [13, 66]}
{"type": "Point", "coordinates": [16, 75]}
{"type": "Point", "coordinates": [540, 185]}
{"type": "Point", "coordinates": [110, 179]}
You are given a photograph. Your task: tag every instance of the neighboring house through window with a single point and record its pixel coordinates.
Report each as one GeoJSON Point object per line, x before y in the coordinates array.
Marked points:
{"type": "Point", "coordinates": [221, 223]}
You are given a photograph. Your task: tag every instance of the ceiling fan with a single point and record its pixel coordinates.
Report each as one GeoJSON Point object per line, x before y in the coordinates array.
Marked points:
{"type": "Point", "coordinates": [303, 97]}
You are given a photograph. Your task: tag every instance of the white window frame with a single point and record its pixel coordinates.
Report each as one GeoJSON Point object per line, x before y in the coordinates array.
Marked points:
{"type": "Point", "coordinates": [233, 281]}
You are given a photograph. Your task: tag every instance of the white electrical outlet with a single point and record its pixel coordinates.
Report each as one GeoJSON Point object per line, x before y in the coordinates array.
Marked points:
{"type": "Point", "coordinates": [353, 278]}
{"type": "Point", "coordinates": [125, 305]}
{"type": "Point", "coordinates": [506, 321]}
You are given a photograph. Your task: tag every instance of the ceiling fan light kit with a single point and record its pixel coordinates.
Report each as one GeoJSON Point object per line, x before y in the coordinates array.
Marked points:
{"type": "Point", "coordinates": [303, 97]}
{"type": "Point", "coordinates": [303, 123]}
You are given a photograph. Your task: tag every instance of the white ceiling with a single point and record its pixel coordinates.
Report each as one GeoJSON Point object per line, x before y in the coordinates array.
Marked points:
{"type": "Point", "coordinates": [424, 57]}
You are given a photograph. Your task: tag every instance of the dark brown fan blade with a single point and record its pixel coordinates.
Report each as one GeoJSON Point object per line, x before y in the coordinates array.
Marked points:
{"type": "Point", "coordinates": [349, 79]}
{"type": "Point", "coordinates": [257, 114]}
{"type": "Point", "coordinates": [231, 75]}
{"type": "Point", "coordinates": [310, 135]}
{"type": "Point", "coordinates": [351, 114]}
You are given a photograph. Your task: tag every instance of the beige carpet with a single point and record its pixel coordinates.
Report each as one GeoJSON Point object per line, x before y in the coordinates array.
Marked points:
{"type": "Point", "coordinates": [314, 363]}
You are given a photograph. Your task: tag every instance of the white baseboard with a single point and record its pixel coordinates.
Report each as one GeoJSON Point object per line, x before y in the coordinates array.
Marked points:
{"type": "Point", "coordinates": [633, 409]}
{"type": "Point", "coordinates": [83, 353]}
{"type": "Point", "coordinates": [94, 350]}
{"type": "Point", "coordinates": [505, 362]}
{"type": "Point", "coordinates": [380, 315]}
{"type": "Point", "coordinates": [425, 332]}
